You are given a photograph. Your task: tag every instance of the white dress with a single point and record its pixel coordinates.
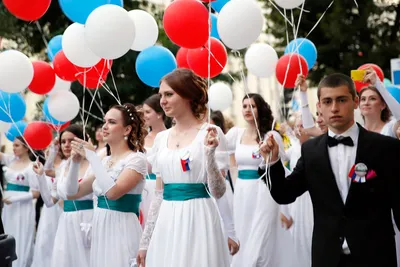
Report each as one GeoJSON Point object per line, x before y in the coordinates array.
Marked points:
{"type": "Point", "coordinates": [389, 131]}
{"type": "Point", "coordinates": [115, 234]}
{"type": "Point", "coordinates": [19, 217]}
{"type": "Point", "coordinates": [187, 233]}
{"type": "Point", "coordinates": [46, 232]}
{"type": "Point", "coordinates": [148, 192]}
{"type": "Point", "coordinates": [263, 241]}
{"type": "Point", "coordinates": [303, 216]}
{"type": "Point", "coordinates": [71, 244]}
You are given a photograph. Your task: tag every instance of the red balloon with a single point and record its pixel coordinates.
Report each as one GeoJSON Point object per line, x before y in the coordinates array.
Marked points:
{"type": "Point", "coordinates": [38, 135]}
{"type": "Point", "coordinates": [91, 82]}
{"type": "Point", "coordinates": [64, 68]}
{"type": "Point", "coordinates": [58, 127]}
{"type": "Point", "coordinates": [93, 74]}
{"type": "Point", "coordinates": [298, 65]}
{"type": "Point", "coordinates": [31, 11]}
{"type": "Point", "coordinates": [198, 59]}
{"type": "Point", "coordinates": [360, 85]}
{"type": "Point", "coordinates": [186, 23]}
{"type": "Point", "coordinates": [44, 78]}
{"type": "Point", "coordinates": [181, 58]}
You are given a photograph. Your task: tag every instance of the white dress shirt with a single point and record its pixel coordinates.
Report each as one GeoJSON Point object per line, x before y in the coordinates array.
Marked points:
{"type": "Point", "coordinates": [342, 159]}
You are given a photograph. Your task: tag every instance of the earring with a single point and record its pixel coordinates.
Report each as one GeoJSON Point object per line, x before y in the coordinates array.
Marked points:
{"type": "Point", "coordinates": [126, 138]}
{"type": "Point", "coordinates": [159, 117]}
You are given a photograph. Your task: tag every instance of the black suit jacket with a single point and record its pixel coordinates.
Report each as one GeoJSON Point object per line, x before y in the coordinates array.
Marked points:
{"type": "Point", "coordinates": [365, 219]}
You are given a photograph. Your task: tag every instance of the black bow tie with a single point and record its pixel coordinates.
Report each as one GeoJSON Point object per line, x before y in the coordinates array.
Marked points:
{"type": "Point", "coordinates": [347, 141]}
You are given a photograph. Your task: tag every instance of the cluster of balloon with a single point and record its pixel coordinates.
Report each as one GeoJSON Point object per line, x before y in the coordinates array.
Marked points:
{"type": "Point", "coordinates": [378, 70]}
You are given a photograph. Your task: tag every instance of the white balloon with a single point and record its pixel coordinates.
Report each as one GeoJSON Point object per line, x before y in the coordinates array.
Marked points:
{"type": "Point", "coordinates": [75, 47]}
{"type": "Point", "coordinates": [4, 126]}
{"type": "Point", "coordinates": [146, 29]}
{"type": "Point", "coordinates": [63, 106]}
{"type": "Point", "coordinates": [240, 23]}
{"type": "Point", "coordinates": [260, 60]}
{"type": "Point", "coordinates": [110, 31]}
{"type": "Point", "coordinates": [289, 4]}
{"type": "Point", "coordinates": [220, 96]}
{"type": "Point", "coordinates": [16, 71]}
{"type": "Point", "coordinates": [60, 85]}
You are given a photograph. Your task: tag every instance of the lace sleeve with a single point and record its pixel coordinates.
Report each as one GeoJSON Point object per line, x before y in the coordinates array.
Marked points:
{"type": "Point", "coordinates": [151, 219]}
{"type": "Point", "coordinates": [215, 180]}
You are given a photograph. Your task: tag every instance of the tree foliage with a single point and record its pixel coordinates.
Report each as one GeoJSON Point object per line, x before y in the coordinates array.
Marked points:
{"type": "Point", "coordinates": [347, 36]}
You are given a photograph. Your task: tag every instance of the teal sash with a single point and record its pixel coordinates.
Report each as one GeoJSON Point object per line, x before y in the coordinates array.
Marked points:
{"type": "Point", "coordinates": [248, 174]}
{"type": "Point", "coordinates": [151, 176]}
{"type": "Point", "coordinates": [17, 187]}
{"type": "Point", "coordinates": [182, 192]}
{"type": "Point", "coordinates": [126, 203]}
{"type": "Point", "coordinates": [75, 205]}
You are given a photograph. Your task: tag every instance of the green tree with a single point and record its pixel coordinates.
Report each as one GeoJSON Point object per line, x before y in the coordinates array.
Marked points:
{"type": "Point", "coordinates": [347, 36]}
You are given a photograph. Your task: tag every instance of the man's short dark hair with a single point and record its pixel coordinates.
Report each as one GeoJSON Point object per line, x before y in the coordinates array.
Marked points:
{"type": "Point", "coordinates": [336, 80]}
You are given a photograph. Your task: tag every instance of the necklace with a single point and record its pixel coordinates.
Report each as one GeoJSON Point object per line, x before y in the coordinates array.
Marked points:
{"type": "Point", "coordinates": [111, 162]}
{"type": "Point", "coordinates": [182, 136]}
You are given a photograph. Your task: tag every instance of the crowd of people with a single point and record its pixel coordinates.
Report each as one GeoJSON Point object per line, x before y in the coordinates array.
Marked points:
{"type": "Point", "coordinates": [160, 187]}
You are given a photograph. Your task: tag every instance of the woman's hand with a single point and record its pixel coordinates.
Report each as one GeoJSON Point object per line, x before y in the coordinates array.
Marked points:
{"type": "Point", "coordinates": [211, 140]}
{"type": "Point", "coordinates": [78, 148]}
{"type": "Point", "coordinates": [38, 168]}
{"type": "Point", "coordinates": [141, 258]}
{"type": "Point", "coordinates": [287, 223]}
{"type": "Point", "coordinates": [233, 246]}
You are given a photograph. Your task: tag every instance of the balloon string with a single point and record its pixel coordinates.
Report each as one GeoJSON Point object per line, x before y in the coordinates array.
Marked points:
{"type": "Point", "coordinates": [209, 59]}
{"type": "Point", "coordinates": [246, 91]}
{"type": "Point", "coordinates": [98, 104]}
{"type": "Point", "coordinates": [44, 38]}
{"type": "Point", "coordinates": [115, 87]}
{"type": "Point", "coordinates": [56, 126]}
{"type": "Point", "coordinates": [216, 60]}
{"type": "Point", "coordinates": [92, 115]}
{"type": "Point", "coordinates": [280, 12]}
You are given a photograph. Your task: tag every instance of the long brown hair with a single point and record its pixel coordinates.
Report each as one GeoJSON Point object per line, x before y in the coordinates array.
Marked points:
{"type": "Point", "coordinates": [189, 86]}
{"type": "Point", "coordinates": [130, 116]}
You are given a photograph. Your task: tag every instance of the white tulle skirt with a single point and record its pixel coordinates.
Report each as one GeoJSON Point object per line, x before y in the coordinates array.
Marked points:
{"type": "Point", "coordinates": [115, 238]}
{"type": "Point", "coordinates": [19, 221]}
{"type": "Point", "coordinates": [263, 241]}
{"type": "Point", "coordinates": [188, 233]}
{"type": "Point", "coordinates": [45, 236]}
{"type": "Point", "coordinates": [71, 246]}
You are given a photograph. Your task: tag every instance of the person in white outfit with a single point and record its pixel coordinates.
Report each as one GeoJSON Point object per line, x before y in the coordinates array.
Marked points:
{"type": "Point", "coordinates": [155, 121]}
{"type": "Point", "coordinates": [72, 241]}
{"type": "Point", "coordinates": [381, 113]}
{"type": "Point", "coordinates": [118, 182]}
{"type": "Point", "coordinates": [183, 226]}
{"type": "Point", "coordinates": [18, 214]}
{"type": "Point", "coordinates": [257, 216]}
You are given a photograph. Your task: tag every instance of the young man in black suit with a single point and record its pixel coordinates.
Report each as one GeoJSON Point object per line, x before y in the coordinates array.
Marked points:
{"type": "Point", "coordinates": [353, 177]}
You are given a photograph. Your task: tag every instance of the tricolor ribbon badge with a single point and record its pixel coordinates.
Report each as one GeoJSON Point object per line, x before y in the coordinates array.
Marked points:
{"type": "Point", "coordinates": [256, 154]}
{"type": "Point", "coordinates": [185, 160]}
{"type": "Point", "coordinates": [358, 173]}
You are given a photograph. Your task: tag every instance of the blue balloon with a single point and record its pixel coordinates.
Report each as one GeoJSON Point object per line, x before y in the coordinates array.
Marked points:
{"type": "Point", "coordinates": [387, 82]}
{"type": "Point", "coordinates": [12, 107]}
{"type": "Point", "coordinates": [47, 115]}
{"type": "Point", "coordinates": [79, 10]}
{"type": "Point", "coordinates": [214, 30]}
{"type": "Point", "coordinates": [218, 5]}
{"type": "Point", "coordinates": [394, 91]}
{"type": "Point", "coordinates": [54, 46]}
{"type": "Point", "coordinates": [153, 63]}
{"type": "Point", "coordinates": [304, 47]}
{"type": "Point", "coordinates": [16, 129]}
{"type": "Point", "coordinates": [117, 2]}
